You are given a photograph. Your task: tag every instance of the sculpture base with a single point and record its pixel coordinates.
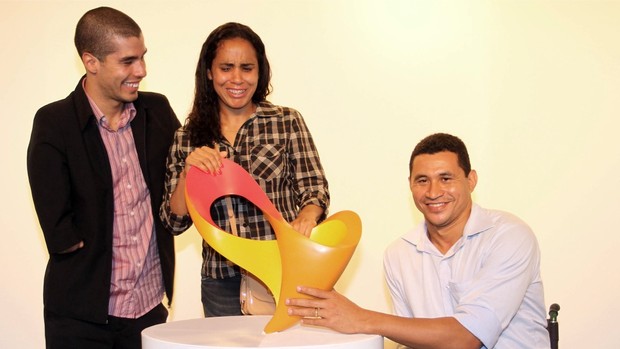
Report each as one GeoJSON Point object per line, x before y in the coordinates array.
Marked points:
{"type": "Point", "coordinates": [247, 332]}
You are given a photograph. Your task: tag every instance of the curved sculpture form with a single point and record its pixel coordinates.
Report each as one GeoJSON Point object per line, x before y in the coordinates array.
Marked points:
{"type": "Point", "coordinates": [282, 264]}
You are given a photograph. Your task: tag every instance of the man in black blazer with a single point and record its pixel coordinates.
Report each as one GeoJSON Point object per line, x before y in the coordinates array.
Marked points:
{"type": "Point", "coordinates": [96, 164]}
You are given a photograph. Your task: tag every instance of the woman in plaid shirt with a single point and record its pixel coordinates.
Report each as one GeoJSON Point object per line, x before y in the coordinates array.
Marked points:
{"type": "Point", "coordinates": [231, 118]}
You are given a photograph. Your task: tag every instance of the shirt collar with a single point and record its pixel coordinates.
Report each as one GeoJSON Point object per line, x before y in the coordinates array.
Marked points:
{"type": "Point", "coordinates": [477, 223]}
{"type": "Point", "coordinates": [266, 109]}
{"type": "Point", "coordinates": [127, 115]}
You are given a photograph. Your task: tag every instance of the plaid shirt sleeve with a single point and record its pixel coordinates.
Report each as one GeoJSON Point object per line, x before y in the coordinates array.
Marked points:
{"type": "Point", "coordinates": [175, 164]}
{"type": "Point", "coordinates": [310, 182]}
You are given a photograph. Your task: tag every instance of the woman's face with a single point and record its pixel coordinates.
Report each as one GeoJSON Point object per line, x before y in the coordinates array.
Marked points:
{"type": "Point", "coordinates": [234, 72]}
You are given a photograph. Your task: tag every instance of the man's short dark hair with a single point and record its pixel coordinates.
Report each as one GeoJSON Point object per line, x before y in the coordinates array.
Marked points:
{"type": "Point", "coordinates": [439, 142]}
{"type": "Point", "coordinates": [98, 26]}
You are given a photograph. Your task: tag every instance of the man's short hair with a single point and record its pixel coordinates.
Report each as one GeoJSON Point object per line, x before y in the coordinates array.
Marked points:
{"type": "Point", "coordinates": [439, 142]}
{"type": "Point", "coordinates": [98, 26]}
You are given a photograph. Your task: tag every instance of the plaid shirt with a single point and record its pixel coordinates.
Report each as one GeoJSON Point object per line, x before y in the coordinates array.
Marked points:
{"type": "Point", "coordinates": [276, 148]}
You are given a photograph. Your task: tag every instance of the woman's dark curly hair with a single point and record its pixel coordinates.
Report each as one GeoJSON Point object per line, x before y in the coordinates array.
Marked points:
{"type": "Point", "coordinates": [203, 122]}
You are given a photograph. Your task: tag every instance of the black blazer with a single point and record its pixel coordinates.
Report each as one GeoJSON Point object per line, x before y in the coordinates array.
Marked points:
{"type": "Point", "coordinates": [71, 183]}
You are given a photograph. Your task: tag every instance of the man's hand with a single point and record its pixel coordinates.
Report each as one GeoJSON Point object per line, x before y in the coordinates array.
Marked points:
{"type": "Point", "coordinates": [328, 309]}
{"type": "Point", "coordinates": [73, 248]}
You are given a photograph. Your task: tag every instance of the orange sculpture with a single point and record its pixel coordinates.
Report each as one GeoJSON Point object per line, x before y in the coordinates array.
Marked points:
{"type": "Point", "coordinates": [282, 264]}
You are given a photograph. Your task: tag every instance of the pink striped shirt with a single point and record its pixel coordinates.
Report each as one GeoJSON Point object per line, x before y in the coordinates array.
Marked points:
{"type": "Point", "coordinates": [137, 283]}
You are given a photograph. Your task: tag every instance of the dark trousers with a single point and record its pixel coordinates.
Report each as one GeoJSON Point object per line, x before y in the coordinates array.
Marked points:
{"type": "Point", "coordinates": [118, 333]}
{"type": "Point", "coordinates": [220, 297]}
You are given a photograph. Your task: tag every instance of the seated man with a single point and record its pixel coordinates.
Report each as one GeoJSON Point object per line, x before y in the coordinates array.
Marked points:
{"type": "Point", "coordinates": [467, 277]}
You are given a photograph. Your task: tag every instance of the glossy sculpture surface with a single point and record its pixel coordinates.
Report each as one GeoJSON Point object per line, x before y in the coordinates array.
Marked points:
{"type": "Point", "coordinates": [282, 264]}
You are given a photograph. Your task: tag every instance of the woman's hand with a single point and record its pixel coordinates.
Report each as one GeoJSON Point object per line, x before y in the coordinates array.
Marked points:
{"type": "Point", "coordinates": [206, 159]}
{"type": "Point", "coordinates": [306, 219]}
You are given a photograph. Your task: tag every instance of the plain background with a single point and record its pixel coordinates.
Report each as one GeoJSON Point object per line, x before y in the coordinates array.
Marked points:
{"type": "Point", "coordinates": [532, 87]}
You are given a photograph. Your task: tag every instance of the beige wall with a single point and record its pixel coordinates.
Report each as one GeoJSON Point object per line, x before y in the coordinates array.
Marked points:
{"type": "Point", "coordinates": [531, 86]}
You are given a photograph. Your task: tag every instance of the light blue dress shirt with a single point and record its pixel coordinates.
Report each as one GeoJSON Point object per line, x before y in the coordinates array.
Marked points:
{"type": "Point", "coordinates": [489, 280]}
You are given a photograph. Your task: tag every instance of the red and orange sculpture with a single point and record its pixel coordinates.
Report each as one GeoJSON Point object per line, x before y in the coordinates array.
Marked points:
{"type": "Point", "coordinates": [282, 264]}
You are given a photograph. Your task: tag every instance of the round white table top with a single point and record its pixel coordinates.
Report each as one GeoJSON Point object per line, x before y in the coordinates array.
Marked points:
{"type": "Point", "coordinates": [247, 332]}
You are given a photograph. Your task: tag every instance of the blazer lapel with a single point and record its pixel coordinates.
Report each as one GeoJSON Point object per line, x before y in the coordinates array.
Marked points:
{"type": "Point", "coordinates": [97, 155]}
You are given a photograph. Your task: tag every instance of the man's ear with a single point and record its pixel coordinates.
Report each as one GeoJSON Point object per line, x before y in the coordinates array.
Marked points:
{"type": "Point", "coordinates": [91, 63]}
{"type": "Point", "coordinates": [473, 180]}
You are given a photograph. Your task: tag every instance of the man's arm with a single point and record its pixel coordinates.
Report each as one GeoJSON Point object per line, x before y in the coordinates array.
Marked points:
{"type": "Point", "coordinates": [340, 314]}
{"type": "Point", "coordinates": [51, 186]}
